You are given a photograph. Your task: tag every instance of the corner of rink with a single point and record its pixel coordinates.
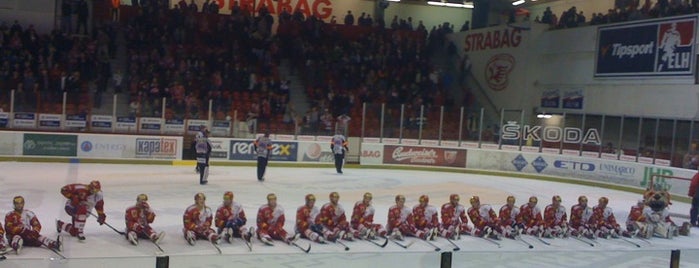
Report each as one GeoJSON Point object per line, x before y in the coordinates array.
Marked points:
{"type": "Point", "coordinates": [171, 189]}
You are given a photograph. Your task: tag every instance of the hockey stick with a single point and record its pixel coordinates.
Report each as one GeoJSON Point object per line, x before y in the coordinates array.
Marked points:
{"type": "Point", "coordinates": [301, 248]}
{"type": "Point", "coordinates": [583, 241]}
{"type": "Point", "coordinates": [491, 241]}
{"type": "Point", "coordinates": [343, 244]}
{"type": "Point", "coordinates": [542, 241]}
{"type": "Point", "coordinates": [385, 242]}
{"type": "Point", "coordinates": [216, 246]}
{"type": "Point", "coordinates": [436, 248]}
{"type": "Point", "coordinates": [401, 244]}
{"type": "Point", "coordinates": [108, 225]}
{"type": "Point", "coordinates": [630, 242]}
{"type": "Point", "coordinates": [54, 250]}
{"type": "Point", "coordinates": [2, 258]}
{"type": "Point", "coordinates": [525, 242]}
{"type": "Point", "coordinates": [456, 247]}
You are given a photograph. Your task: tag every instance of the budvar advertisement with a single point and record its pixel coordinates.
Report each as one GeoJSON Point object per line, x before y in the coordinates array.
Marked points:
{"type": "Point", "coordinates": [219, 148]}
{"type": "Point", "coordinates": [427, 156]}
{"type": "Point", "coordinates": [245, 150]}
{"type": "Point", "coordinates": [664, 47]}
{"type": "Point", "coordinates": [50, 145]}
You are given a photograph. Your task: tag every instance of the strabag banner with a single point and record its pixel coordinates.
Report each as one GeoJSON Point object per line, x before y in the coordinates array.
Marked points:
{"type": "Point", "coordinates": [663, 47]}
{"type": "Point", "coordinates": [426, 156]}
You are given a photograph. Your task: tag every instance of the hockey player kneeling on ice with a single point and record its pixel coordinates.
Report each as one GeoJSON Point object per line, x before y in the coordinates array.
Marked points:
{"type": "Point", "coordinates": [657, 218]}
{"type": "Point", "coordinates": [305, 220]}
{"type": "Point", "coordinates": [138, 219]}
{"type": "Point", "coordinates": [23, 229]}
{"type": "Point", "coordinates": [529, 220]}
{"type": "Point", "coordinates": [580, 215]}
{"type": "Point", "coordinates": [426, 217]}
{"type": "Point", "coordinates": [484, 219]}
{"type": "Point", "coordinates": [230, 219]}
{"type": "Point", "coordinates": [507, 218]}
{"type": "Point", "coordinates": [635, 217]}
{"type": "Point", "coordinates": [602, 222]}
{"type": "Point", "coordinates": [81, 199]}
{"type": "Point", "coordinates": [454, 219]}
{"type": "Point", "coordinates": [363, 219]}
{"type": "Point", "coordinates": [401, 221]}
{"type": "Point", "coordinates": [332, 218]}
{"type": "Point", "coordinates": [197, 221]}
{"type": "Point", "coordinates": [555, 219]}
{"type": "Point", "coordinates": [270, 223]}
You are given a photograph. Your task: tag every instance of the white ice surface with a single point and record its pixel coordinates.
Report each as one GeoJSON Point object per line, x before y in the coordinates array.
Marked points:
{"type": "Point", "coordinates": [172, 188]}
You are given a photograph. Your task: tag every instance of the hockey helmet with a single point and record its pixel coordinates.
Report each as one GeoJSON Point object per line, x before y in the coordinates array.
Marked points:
{"type": "Point", "coordinates": [334, 195]}
{"type": "Point", "coordinates": [143, 198]}
{"type": "Point", "coordinates": [424, 199]}
{"type": "Point", "coordinates": [271, 196]}
{"type": "Point", "coordinates": [95, 186]}
{"type": "Point", "coordinates": [228, 195]}
{"type": "Point", "coordinates": [582, 199]}
{"type": "Point", "coordinates": [310, 197]}
{"type": "Point", "coordinates": [533, 199]}
{"type": "Point", "coordinates": [603, 200]}
{"type": "Point", "coordinates": [454, 198]}
{"type": "Point", "coordinates": [511, 199]}
{"type": "Point", "coordinates": [556, 199]}
{"type": "Point", "coordinates": [474, 199]}
{"type": "Point", "coordinates": [368, 195]}
{"type": "Point", "coordinates": [18, 200]}
{"type": "Point", "coordinates": [199, 196]}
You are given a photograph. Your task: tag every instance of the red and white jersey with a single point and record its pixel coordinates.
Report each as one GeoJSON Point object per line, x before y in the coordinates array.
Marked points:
{"type": "Point", "coordinates": [529, 216]}
{"type": "Point", "coordinates": [305, 217]}
{"type": "Point", "coordinates": [425, 217]}
{"type": "Point", "coordinates": [508, 215]}
{"type": "Point", "coordinates": [579, 215]}
{"type": "Point", "coordinates": [362, 214]}
{"type": "Point", "coordinates": [80, 193]}
{"type": "Point", "coordinates": [603, 216]}
{"type": "Point", "coordinates": [331, 215]}
{"type": "Point", "coordinates": [655, 217]}
{"type": "Point", "coordinates": [16, 222]}
{"type": "Point", "coordinates": [555, 216]}
{"type": "Point", "coordinates": [636, 214]}
{"type": "Point", "coordinates": [481, 216]}
{"type": "Point", "coordinates": [229, 213]}
{"type": "Point", "coordinates": [136, 214]}
{"type": "Point", "coordinates": [270, 217]}
{"type": "Point", "coordinates": [453, 215]}
{"type": "Point", "coordinates": [399, 215]}
{"type": "Point", "coordinates": [195, 218]}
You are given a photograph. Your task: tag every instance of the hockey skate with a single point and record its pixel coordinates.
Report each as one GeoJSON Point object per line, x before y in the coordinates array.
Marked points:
{"type": "Point", "coordinates": [132, 237]}
{"type": "Point", "coordinates": [228, 235]}
{"type": "Point", "coordinates": [364, 234]}
{"type": "Point", "coordinates": [59, 225]}
{"type": "Point", "coordinates": [58, 244]}
{"type": "Point", "coordinates": [191, 240]}
{"type": "Point", "coordinates": [266, 241]}
{"type": "Point", "coordinates": [17, 244]}
{"type": "Point", "coordinates": [81, 237]}
{"type": "Point", "coordinates": [684, 229]}
{"type": "Point", "coordinates": [292, 239]}
{"type": "Point", "coordinates": [397, 235]}
{"type": "Point", "coordinates": [157, 238]}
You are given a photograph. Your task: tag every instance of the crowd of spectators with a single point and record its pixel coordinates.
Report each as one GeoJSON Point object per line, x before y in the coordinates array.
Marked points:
{"type": "Point", "coordinates": [624, 10]}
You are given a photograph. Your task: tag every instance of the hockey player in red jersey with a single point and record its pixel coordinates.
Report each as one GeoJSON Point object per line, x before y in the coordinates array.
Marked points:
{"type": "Point", "coordinates": [305, 220]}
{"type": "Point", "coordinates": [3, 243]}
{"type": "Point", "coordinates": [635, 217]}
{"type": "Point", "coordinates": [401, 221]}
{"type": "Point", "coordinates": [484, 219]}
{"type": "Point", "coordinates": [555, 219]}
{"type": "Point", "coordinates": [138, 219]}
{"type": "Point", "coordinates": [362, 219]}
{"type": "Point", "coordinates": [332, 218]}
{"type": "Point", "coordinates": [426, 217]}
{"type": "Point", "coordinates": [230, 219]}
{"type": "Point", "coordinates": [23, 229]}
{"type": "Point", "coordinates": [454, 218]}
{"type": "Point", "coordinates": [580, 215]}
{"type": "Point", "coordinates": [81, 199]}
{"type": "Point", "coordinates": [270, 222]}
{"type": "Point", "coordinates": [529, 218]}
{"type": "Point", "coordinates": [197, 221]}
{"type": "Point", "coordinates": [603, 221]}
{"type": "Point", "coordinates": [507, 218]}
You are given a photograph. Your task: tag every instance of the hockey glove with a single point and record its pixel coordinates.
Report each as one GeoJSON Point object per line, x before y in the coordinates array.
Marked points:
{"type": "Point", "coordinates": [101, 218]}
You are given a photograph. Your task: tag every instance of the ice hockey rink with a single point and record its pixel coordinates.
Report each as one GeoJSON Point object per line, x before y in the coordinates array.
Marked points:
{"type": "Point", "coordinates": [172, 188]}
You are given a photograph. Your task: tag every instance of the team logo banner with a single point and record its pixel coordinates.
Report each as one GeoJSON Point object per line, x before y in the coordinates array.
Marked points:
{"type": "Point", "coordinates": [658, 48]}
{"type": "Point", "coordinates": [428, 156]}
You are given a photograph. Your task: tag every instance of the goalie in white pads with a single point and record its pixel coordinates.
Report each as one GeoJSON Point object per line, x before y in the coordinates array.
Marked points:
{"type": "Point", "coordinates": [138, 219]}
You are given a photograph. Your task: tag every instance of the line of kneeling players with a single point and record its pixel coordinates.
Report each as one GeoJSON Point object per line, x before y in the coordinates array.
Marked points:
{"type": "Point", "coordinates": [329, 223]}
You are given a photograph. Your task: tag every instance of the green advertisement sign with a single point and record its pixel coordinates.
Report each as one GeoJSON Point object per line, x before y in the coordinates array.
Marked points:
{"type": "Point", "coordinates": [50, 145]}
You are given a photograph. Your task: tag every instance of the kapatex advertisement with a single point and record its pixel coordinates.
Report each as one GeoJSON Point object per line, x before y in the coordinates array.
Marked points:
{"type": "Point", "coordinates": [427, 156]}
{"type": "Point", "coordinates": [245, 150]}
{"type": "Point", "coordinates": [50, 145]}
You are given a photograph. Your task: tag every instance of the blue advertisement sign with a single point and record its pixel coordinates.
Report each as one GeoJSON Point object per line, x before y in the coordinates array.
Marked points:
{"type": "Point", "coordinates": [281, 151]}
{"type": "Point", "coordinates": [551, 98]}
{"type": "Point", "coordinates": [573, 99]}
{"type": "Point", "coordinates": [662, 47]}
